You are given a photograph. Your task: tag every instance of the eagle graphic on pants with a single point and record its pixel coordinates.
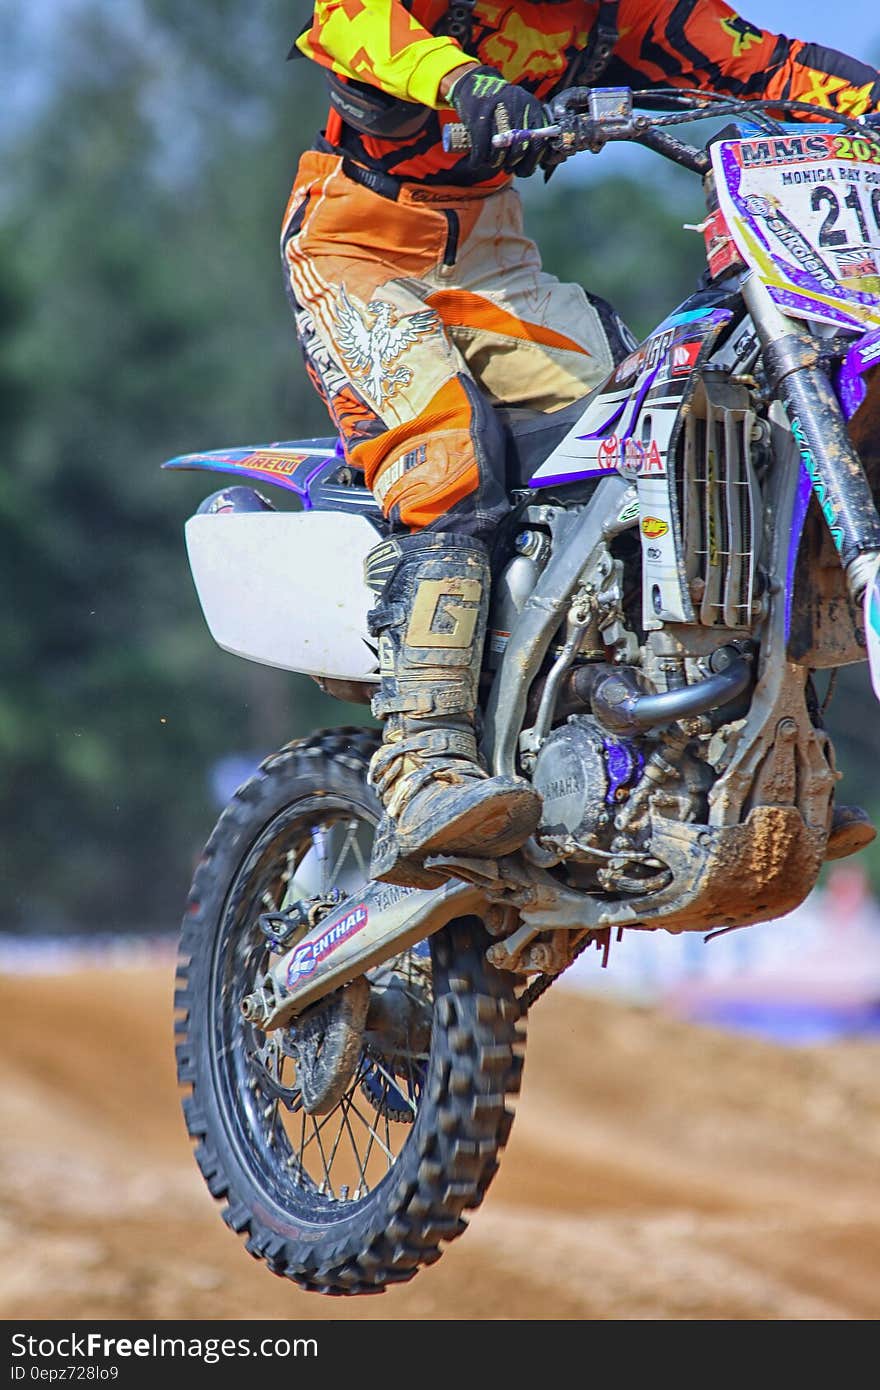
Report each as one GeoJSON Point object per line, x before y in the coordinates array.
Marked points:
{"type": "Point", "coordinates": [371, 343]}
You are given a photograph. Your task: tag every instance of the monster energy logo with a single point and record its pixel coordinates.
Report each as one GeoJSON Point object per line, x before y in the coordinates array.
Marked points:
{"type": "Point", "coordinates": [827, 504]}
{"type": "Point", "coordinates": [486, 83]}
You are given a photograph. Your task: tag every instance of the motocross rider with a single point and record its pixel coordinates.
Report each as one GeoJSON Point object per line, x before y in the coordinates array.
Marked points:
{"type": "Point", "coordinates": [420, 304]}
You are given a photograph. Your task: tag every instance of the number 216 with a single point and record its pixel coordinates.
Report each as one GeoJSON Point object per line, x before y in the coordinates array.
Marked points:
{"type": "Point", "coordinates": [828, 200]}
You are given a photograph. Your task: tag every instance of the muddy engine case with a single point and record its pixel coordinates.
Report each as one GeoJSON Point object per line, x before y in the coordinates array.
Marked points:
{"type": "Point", "coordinates": [580, 774]}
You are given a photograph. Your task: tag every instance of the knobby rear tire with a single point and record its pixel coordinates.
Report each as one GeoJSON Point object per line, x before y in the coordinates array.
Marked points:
{"type": "Point", "coordinates": [451, 1152]}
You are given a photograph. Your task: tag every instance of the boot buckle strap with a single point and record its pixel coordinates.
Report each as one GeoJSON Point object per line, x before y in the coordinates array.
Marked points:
{"type": "Point", "coordinates": [456, 743]}
{"type": "Point", "coordinates": [420, 699]}
{"type": "Point", "coordinates": [436, 747]}
{"type": "Point", "coordinates": [419, 702]}
{"type": "Point", "coordinates": [385, 614]}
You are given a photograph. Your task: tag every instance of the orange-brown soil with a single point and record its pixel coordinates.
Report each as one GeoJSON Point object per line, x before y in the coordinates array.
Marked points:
{"type": "Point", "coordinates": [655, 1170]}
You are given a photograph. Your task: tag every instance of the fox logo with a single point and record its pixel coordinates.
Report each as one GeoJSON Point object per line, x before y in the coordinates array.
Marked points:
{"type": "Point", "coordinates": [743, 34]}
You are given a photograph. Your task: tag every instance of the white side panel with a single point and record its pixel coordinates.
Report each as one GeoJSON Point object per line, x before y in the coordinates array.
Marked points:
{"type": "Point", "coordinates": [577, 453]}
{"type": "Point", "coordinates": [287, 588]}
{"type": "Point", "coordinates": [661, 583]}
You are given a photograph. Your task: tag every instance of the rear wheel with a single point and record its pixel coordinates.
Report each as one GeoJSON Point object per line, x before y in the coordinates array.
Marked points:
{"type": "Point", "coordinates": [347, 1171]}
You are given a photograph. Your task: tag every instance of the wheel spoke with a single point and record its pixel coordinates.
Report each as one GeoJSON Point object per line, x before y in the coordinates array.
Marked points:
{"type": "Point", "coordinates": [339, 1132]}
{"type": "Point", "coordinates": [362, 1166]}
{"type": "Point", "coordinates": [358, 854]}
{"type": "Point", "coordinates": [413, 995]}
{"type": "Point", "coordinates": [288, 881]}
{"type": "Point", "coordinates": [317, 1136]}
{"type": "Point", "coordinates": [318, 1127]}
{"type": "Point", "coordinates": [327, 1118]}
{"type": "Point", "coordinates": [343, 1121]}
{"type": "Point", "coordinates": [302, 1145]}
{"type": "Point", "coordinates": [364, 1121]}
{"type": "Point", "coordinates": [390, 1080]}
{"type": "Point", "coordinates": [370, 1142]}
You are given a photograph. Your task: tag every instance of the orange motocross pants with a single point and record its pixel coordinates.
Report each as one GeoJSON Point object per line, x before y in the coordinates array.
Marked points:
{"type": "Point", "coordinates": [416, 313]}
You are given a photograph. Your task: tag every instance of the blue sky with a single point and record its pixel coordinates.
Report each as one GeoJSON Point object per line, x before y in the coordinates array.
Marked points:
{"type": "Point", "coordinates": [853, 27]}
{"type": "Point", "coordinates": [32, 37]}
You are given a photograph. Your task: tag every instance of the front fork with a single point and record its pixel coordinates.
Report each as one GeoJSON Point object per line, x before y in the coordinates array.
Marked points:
{"type": "Point", "coordinates": [835, 471]}
{"type": "Point", "coordinates": [821, 435]}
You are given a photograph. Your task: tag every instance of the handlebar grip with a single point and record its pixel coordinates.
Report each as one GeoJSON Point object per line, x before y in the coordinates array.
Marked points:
{"type": "Point", "coordinates": [456, 139]}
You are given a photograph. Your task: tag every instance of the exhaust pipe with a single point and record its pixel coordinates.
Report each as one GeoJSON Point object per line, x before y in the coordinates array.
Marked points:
{"type": "Point", "coordinates": [620, 704]}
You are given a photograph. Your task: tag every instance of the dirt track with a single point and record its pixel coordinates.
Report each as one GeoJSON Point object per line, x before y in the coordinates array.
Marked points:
{"type": "Point", "coordinates": [655, 1171]}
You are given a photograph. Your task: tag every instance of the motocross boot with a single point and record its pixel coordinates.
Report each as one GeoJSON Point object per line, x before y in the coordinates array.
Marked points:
{"type": "Point", "coordinates": [430, 620]}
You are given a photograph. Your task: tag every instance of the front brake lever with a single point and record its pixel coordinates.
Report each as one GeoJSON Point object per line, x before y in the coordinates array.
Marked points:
{"type": "Point", "coordinates": [572, 99]}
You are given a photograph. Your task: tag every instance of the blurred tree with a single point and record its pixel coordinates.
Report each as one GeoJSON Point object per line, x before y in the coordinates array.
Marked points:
{"type": "Point", "coordinates": [623, 238]}
{"type": "Point", "coordinates": [142, 315]}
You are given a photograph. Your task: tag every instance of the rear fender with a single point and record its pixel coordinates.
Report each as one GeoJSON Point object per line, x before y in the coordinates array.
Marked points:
{"type": "Point", "coordinates": [292, 465]}
{"type": "Point", "coordinates": [314, 469]}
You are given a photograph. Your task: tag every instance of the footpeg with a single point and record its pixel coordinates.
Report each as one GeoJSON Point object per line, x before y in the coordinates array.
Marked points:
{"type": "Point", "coordinates": [851, 831]}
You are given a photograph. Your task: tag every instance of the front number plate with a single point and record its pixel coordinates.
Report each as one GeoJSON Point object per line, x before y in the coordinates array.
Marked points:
{"type": "Point", "coordinates": [804, 211]}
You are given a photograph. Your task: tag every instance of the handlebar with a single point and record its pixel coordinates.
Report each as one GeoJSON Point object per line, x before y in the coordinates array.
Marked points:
{"type": "Point", "coordinates": [457, 141]}
{"type": "Point", "coordinates": [588, 118]}
{"type": "Point", "coordinates": [579, 118]}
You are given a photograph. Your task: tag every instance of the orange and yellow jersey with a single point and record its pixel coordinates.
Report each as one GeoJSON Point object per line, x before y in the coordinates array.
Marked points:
{"type": "Point", "coordinates": [390, 44]}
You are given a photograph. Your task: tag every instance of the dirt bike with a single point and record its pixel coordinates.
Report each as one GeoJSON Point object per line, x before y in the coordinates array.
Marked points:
{"type": "Point", "coordinates": [689, 544]}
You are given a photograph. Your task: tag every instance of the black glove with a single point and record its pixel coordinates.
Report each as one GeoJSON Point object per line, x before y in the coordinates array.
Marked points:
{"type": "Point", "coordinates": [488, 105]}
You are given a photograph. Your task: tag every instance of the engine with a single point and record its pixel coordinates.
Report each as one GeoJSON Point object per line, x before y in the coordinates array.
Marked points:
{"type": "Point", "coordinates": [583, 774]}
{"type": "Point", "coordinates": [602, 791]}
